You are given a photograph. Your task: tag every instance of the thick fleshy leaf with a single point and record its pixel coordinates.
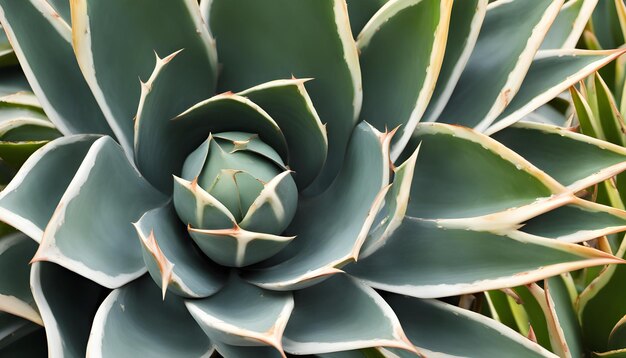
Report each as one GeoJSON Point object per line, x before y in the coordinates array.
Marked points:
{"type": "Point", "coordinates": [431, 260]}
{"type": "Point", "coordinates": [312, 40]}
{"type": "Point", "coordinates": [577, 222]}
{"type": "Point", "coordinates": [602, 304]}
{"type": "Point", "coordinates": [111, 68]}
{"type": "Point", "coordinates": [396, 202]}
{"type": "Point", "coordinates": [172, 260]}
{"type": "Point", "coordinates": [569, 24]}
{"type": "Point", "coordinates": [167, 93]}
{"type": "Point", "coordinates": [7, 55]}
{"type": "Point", "coordinates": [462, 36]}
{"type": "Point", "coordinates": [606, 112]}
{"type": "Point", "coordinates": [237, 247]}
{"type": "Point", "coordinates": [62, 8]}
{"type": "Point", "coordinates": [134, 321]}
{"type": "Point", "coordinates": [12, 80]}
{"type": "Point", "coordinates": [242, 314]}
{"type": "Point", "coordinates": [50, 66]}
{"type": "Point", "coordinates": [198, 208]}
{"type": "Point", "coordinates": [494, 73]}
{"type": "Point", "coordinates": [90, 231]}
{"type": "Point", "coordinates": [16, 250]}
{"type": "Point", "coordinates": [29, 201]}
{"type": "Point", "coordinates": [331, 227]}
{"type": "Point", "coordinates": [464, 187]}
{"type": "Point", "coordinates": [437, 327]}
{"type": "Point", "coordinates": [605, 25]}
{"type": "Point", "coordinates": [575, 160]}
{"type": "Point", "coordinates": [289, 104]}
{"type": "Point", "coordinates": [399, 76]}
{"type": "Point", "coordinates": [229, 112]}
{"type": "Point", "coordinates": [551, 72]}
{"type": "Point", "coordinates": [68, 303]}
{"type": "Point", "coordinates": [341, 314]}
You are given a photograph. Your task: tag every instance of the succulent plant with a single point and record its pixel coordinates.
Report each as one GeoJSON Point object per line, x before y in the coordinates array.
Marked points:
{"type": "Point", "coordinates": [275, 216]}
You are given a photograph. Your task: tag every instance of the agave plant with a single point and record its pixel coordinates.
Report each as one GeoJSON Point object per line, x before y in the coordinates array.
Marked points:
{"type": "Point", "coordinates": [274, 217]}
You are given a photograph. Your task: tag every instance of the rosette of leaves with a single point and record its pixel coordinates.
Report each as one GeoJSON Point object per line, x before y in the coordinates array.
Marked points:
{"type": "Point", "coordinates": [274, 217]}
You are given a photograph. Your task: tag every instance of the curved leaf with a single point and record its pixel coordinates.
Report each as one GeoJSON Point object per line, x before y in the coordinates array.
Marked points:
{"type": "Point", "coordinates": [462, 36]}
{"type": "Point", "coordinates": [361, 11]}
{"type": "Point", "coordinates": [569, 24]}
{"type": "Point", "coordinates": [312, 40]}
{"type": "Point", "coordinates": [29, 201]}
{"type": "Point", "coordinates": [431, 260]}
{"type": "Point", "coordinates": [346, 211]}
{"type": "Point", "coordinates": [551, 72]}
{"type": "Point", "coordinates": [165, 243]}
{"type": "Point", "coordinates": [68, 303]}
{"type": "Point", "coordinates": [399, 76]}
{"type": "Point", "coordinates": [463, 186]}
{"type": "Point", "coordinates": [242, 314]}
{"type": "Point", "coordinates": [289, 104]}
{"type": "Point", "coordinates": [494, 73]}
{"type": "Point", "coordinates": [133, 321]}
{"type": "Point", "coordinates": [16, 250]}
{"type": "Point", "coordinates": [109, 253]}
{"type": "Point", "coordinates": [442, 328]}
{"type": "Point", "coordinates": [50, 66]}
{"type": "Point", "coordinates": [341, 314]}
{"type": "Point", "coordinates": [575, 160]}
{"type": "Point", "coordinates": [111, 68]}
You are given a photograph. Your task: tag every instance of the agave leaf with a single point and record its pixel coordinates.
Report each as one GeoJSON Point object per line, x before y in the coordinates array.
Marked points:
{"type": "Point", "coordinates": [538, 315]}
{"type": "Point", "coordinates": [244, 314]}
{"type": "Point", "coordinates": [312, 40]}
{"type": "Point", "coordinates": [50, 66]}
{"type": "Point", "coordinates": [462, 36]}
{"type": "Point", "coordinates": [14, 154]}
{"type": "Point", "coordinates": [27, 203]}
{"type": "Point", "coordinates": [494, 74]}
{"type": "Point", "coordinates": [602, 304]}
{"type": "Point", "coordinates": [361, 11]}
{"type": "Point", "coordinates": [289, 104]}
{"type": "Point", "coordinates": [607, 114]}
{"type": "Point", "coordinates": [432, 260]}
{"type": "Point", "coordinates": [504, 309]}
{"type": "Point", "coordinates": [398, 77]}
{"type": "Point", "coordinates": [575, 160]}
{"type": "Point", "coordinates": [246, 142]}
{"type": "Point", "coordinates": [172, 260]}
{"type": "Point", "coordinates": [545, 80]}
{"type": "Point", "coordinates": [442, 329]}
{"type": "Point", "coordinates": [68, 303]}
{"type": "Point", "coordinates": [618, 335]}
{"type": "Point", "coordinates": [361, 353]}
{"type": "Point", "coordinates": [396, 202]}
{"type": "Point", "coordinates": [588, 123]}
{"type": "Point", "coordinates": [577, 222]}
{"type": "Point", "coordinates": [619, 353]}
{"type": "Point", "coordinates": [227, 112]}
{"type": "Point", "coordinates": [165, 94]}
{"type": "Point", "coordinates": [110, 254]}
{"type": "Point", "coordinates": [564, 316]}
{"type": "Point", "coordinates": [569, 24]}
{"type": "Point", "coordinates": [606, 26]}
{"type": "Point", "coordinates": [16, 251]}
{"type": "Point", "coordinates": [111, 68]}
{"type": "Point", "coordinates": [351, 316]}
{"type": "Point", "coordinates": [462, 188]}
{"type": "Point", "coordinates": [200, 208]}
{"type": "Point", "coordinates": [346, 210]}
{"type": "Point", "coordinates": [134, 321]}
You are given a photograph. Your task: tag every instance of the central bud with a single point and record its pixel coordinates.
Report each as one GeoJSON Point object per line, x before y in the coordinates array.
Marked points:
{"type": "Point", "coordinates": [237, 196]}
